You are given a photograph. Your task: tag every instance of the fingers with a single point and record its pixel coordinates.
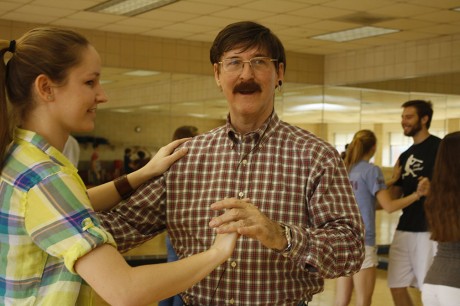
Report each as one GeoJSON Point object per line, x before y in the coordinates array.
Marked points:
{"type": "Point", "coordinates": [423, 186]}
{"type": "Point", "coordinates": [227, 222]}
{"type": "Point", "coordinates": [170, 147]}
{"type": "Point", "coordinates": [229, 203]}
{"type": "Point", "coordinates": [167, 152]}
{"type": "Point", "coordinates": [235, 210]}
{"type": "Point", "coordinates": [174, 144]}
{"type": "Point", "coordinates": [177, 155]}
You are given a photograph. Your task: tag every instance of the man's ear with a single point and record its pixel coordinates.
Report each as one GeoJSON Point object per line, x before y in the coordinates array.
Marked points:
{"type": "Point", "coordinates": [217, 74]}
{"type": "Point", "coordinates": [44, 88]}
{"type": "Point", "coordinates": [424, 119]}
{"type": "Point", "coordinates": [280, 73]}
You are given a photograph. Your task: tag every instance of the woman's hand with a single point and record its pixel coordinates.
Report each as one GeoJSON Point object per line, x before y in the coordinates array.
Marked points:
{"type": "Point", "coordinates": [163, 159]}
{"type": "Point", "coordinates": [423, 187]}
{"type": "Point", "coordinates": [224, 244]}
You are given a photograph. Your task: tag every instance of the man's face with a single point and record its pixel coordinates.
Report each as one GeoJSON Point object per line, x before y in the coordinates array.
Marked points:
{"type": "Point", "coordinates": [249, 91]}
{"type": "Point", "coordinates": [410, 121]}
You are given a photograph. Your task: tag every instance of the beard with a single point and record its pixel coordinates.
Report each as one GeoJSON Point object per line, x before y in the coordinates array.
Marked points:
{"type": "Point", "coordinates": [411, 132]}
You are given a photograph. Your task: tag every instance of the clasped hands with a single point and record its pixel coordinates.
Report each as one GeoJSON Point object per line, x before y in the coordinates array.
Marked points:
{"type": "Point", "coordinates": [423, 187]}
{"type": "Point", "coordinates": [243, 217]}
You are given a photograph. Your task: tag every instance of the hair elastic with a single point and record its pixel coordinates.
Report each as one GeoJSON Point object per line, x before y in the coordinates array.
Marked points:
{"type": "Point", "coordinates": [12, 47]}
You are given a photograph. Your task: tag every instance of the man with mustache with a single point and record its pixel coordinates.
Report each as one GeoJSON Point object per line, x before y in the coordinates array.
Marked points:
{"type": "Point", "coordinates": [412, 251]}
{"type": "Point", "coordinates": [284, 190]}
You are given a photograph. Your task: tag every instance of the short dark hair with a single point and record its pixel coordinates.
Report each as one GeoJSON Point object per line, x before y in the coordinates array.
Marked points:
{"type": "Point", "coordinates": [246, 35]}
{"type": "Point", "coordinates": [424, 108]}
{"type": "Point", "coordinates": [185, 132]}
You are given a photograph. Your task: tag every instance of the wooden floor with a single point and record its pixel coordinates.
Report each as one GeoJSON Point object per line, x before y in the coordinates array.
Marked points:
{"type": "Point", "coordinates": [381, 297]}
{"type": "Point", "coordinates": [386, 225]}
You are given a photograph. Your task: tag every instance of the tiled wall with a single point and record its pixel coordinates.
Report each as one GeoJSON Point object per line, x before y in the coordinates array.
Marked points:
{"type": "Point", "coordinates": [397, 61]}
{"type": "Point", "coordinates": [408, 59]}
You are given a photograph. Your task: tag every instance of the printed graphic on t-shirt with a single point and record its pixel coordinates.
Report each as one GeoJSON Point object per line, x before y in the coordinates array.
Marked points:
{"type": "Point", "coordinates": [412, 165]}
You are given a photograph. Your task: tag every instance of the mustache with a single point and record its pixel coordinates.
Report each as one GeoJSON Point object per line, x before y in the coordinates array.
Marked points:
{"type": "Point", "coordinates": [247, 87]}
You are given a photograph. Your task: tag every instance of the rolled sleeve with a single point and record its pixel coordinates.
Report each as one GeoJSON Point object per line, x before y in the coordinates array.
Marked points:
{"type": "Point", "coordinates": [60, 220]}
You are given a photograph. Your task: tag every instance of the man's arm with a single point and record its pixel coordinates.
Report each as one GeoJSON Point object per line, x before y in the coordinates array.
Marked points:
{"type": "Point", "coordinates": [138, 218]}
{"type": "Point", "coordinates": [334, 241]}
{"type": "Point", "coordinates": [333, 244]}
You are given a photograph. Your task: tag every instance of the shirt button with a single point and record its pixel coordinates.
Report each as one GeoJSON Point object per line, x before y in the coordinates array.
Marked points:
{"type": "Point", "coordinates": [245, 162]}
{"type": "Point", "coordinates": [233, 264]}
{"type": "Point", "coordinates": [232, 301]}
{"type": "Point", "coordinates": [241, 194]}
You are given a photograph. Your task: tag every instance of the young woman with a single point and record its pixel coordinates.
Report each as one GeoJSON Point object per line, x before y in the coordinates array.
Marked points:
{"type": "Point", "coordinates": [50, 239]}
{"type": "Point", "coordinates": [442, 282]}
{"type": "Point", "coordinates": [368, 185]}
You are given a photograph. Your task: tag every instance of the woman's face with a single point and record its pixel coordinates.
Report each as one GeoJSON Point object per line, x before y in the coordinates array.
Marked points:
{"type": "Point", "coordinates": [77, 100]}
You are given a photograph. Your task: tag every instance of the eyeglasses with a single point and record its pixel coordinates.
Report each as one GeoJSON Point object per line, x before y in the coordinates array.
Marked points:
{"type": "Point", "coordinates": [259, 64]}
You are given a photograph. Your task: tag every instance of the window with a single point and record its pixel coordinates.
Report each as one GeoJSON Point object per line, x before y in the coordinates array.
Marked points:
{"type": "Point", "coordinates": [341, 140]}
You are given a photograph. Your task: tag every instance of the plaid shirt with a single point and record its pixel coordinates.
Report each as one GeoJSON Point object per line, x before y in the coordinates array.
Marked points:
{"type": "Point", "coordinates": [291, 175]}
{"type": "Point", "coordinates": [46, 225]}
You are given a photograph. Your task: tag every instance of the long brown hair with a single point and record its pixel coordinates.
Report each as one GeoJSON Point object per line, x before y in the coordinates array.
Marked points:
{"type": "Point", "coordinates": [363, 141]}
{"type": "Point", "coordinates": [45, 50]}
{"type": "Point", "coordinates": [442, 205]}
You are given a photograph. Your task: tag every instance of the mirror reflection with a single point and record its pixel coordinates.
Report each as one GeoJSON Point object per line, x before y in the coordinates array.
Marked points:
{"type": "Point", "coordinates": [146, 108]}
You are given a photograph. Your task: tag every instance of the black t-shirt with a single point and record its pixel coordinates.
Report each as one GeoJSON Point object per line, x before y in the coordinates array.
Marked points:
{"type": "Point", "coordinates": [417, 161]}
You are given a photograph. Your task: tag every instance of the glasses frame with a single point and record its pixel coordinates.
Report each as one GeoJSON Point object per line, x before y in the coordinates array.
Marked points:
{"type": "Point", "coordinates": [243, 62]}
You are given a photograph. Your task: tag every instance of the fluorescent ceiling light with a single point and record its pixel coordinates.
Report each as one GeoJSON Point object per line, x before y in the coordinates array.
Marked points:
{"type": "Point", "coordinates": [456, 9]}
{"type": "Point", "coordinates": [197, 115]}
{"type": "Point", "coordinates": [141, 73]}
{"type": "Point", "coordinates": [128, 7]}
{"type": "Point", "coordinates": [316, 107]}
{"type": "Point", "coordinates": [353, 34]}
{"type": "Point", "coordinates": [122, 110]}
{"type": "Point", "coordinates": [150, 107]}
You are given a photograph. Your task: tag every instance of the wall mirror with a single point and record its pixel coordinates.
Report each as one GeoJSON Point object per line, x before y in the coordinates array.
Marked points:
{"type": "Point", "coordinates": [160, 102]}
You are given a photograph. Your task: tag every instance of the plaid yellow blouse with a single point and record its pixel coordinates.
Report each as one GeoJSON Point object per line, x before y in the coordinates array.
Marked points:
{"type": "Point", "coordinates": [46, 225]}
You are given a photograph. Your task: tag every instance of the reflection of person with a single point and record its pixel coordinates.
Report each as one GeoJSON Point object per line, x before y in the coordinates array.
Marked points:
{"type": "Point", "coordinates": [442, 282]}
{"type": "Point", "coordinates": [368, 184]}
{"type": "Point", "coordinates": [301, 223]}
{"type": "Point", "coordinates": [141, 160]}
{"type": "Point", "coordinates": [127, 161]}
{"type": "Point", "coordinates": [72, 150]}
{"type": "Point", "coordinates": [411, 250]}
{"type": "Point", "coordinates": [50, 238]}
{"type": "Point", "coordinates": [185, 131]}
{"type": "Point", "coordinates": [343, 154]}
{"type": "Point", "coordinates": [95, 169]}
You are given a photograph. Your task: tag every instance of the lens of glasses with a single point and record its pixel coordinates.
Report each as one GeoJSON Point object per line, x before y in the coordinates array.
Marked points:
{"type": "Point", "coordinates": [256, 63]}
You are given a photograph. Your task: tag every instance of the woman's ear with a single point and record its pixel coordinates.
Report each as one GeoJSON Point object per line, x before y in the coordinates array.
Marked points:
{"type": "Point", "coordinates": [44, 88]}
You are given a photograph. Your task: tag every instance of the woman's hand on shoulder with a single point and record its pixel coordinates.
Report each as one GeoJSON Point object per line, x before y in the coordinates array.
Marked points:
{"type": "Point", "coordinates": [164, 158]}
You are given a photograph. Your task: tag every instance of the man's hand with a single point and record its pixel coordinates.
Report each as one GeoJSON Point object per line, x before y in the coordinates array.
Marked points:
{"type": "Point", "coordinates": [246, 219]}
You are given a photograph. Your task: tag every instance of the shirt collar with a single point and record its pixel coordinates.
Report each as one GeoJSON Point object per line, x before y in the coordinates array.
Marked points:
{"type": "Point", "coordinates": [39, 142]}
{"type": "Point", "coordinates": [264, 131]}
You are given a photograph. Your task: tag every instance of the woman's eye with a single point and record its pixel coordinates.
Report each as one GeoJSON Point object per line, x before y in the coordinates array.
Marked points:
{"type": "Point", "coordinates": [90, 83]}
